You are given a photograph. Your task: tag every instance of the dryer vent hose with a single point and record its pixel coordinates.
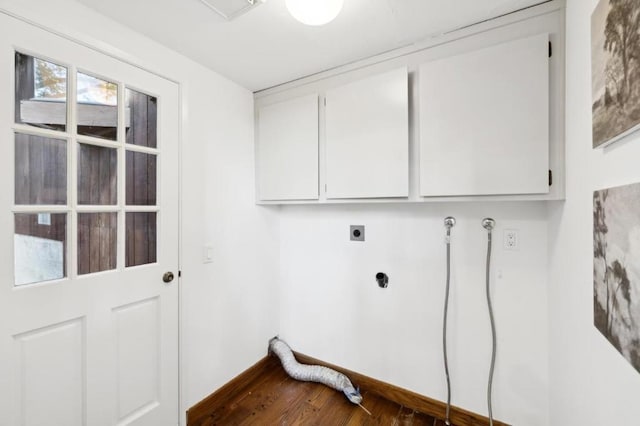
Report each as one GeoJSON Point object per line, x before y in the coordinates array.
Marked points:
{"type": "Point", "coordinates": [313, 373]}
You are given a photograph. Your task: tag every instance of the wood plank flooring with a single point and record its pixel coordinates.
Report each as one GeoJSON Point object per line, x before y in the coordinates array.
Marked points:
{"type": "Point", "coordinates": [270, 397]}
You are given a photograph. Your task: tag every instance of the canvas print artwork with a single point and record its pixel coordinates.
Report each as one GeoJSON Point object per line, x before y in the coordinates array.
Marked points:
{"type": "Point", "coordinates": [616, 268]}
{"type": "Point", "coordinates": [615, 70]}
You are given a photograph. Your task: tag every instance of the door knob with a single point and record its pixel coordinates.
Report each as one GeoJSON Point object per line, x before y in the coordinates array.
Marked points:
{"type": "Point", "coordinates": [167, 277]}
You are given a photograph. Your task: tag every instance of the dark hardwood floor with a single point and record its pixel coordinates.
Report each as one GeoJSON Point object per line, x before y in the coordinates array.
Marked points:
{"type": "Point", "coordinates": [270, 397]}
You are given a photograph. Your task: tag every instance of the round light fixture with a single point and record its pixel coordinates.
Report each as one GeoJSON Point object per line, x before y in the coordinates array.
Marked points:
{"type": "Point", "coordinates": [314, 12]}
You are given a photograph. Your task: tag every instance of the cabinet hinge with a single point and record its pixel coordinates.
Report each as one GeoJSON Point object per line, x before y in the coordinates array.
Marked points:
{"type": "Point", "coordinates": [550, 49]}
{"type": "Point", "coordinates": [550, 178]}
{"type": "Point", "coordinates": [325, 101]}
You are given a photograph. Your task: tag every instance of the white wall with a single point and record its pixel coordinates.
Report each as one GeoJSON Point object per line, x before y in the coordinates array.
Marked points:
{"type": "Point", "coordinates": [331, 307]}
{"type": "Point", "coordinates": [590, 382]}
{"type": "Point", "coordinates": [228, 306]}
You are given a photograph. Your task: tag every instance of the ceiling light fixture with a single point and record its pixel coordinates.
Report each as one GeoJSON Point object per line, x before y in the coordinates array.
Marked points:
{"type": "Point", "coordinates": [314, 12]}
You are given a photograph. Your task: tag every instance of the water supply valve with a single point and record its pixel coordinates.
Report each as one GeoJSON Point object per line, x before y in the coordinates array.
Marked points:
{"type": "Point", "coordinates": [382, 279]}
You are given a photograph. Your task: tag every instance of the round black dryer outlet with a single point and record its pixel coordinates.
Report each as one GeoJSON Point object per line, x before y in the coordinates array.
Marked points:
{"type": "Point", "coordinates": [356, 232]}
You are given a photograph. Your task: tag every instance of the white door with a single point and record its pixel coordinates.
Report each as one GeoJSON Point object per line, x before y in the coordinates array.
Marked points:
{"type": "Point", "coordinates": [89, 174]}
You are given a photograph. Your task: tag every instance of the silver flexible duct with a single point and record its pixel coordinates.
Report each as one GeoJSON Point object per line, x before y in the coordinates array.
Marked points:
{"type": "Point", "coordinates": [313, 373]}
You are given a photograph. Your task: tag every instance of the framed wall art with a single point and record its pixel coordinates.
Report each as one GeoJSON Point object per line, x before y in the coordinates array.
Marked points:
{"type": "Point", "coordinates": [615, 70]}
{"type": "Point", "coordinates": [616, 268]}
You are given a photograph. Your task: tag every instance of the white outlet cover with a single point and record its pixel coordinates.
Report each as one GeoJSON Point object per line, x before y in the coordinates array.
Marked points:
{"type": "Point", "coordinates": [510, 239]}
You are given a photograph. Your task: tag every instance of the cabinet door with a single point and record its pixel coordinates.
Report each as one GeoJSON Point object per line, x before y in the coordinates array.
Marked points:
{"type": "Point", "coordinates": [484, 121]}
{"type": "Point", "coordinates": [287, 150]}
{"type": "Point", "coordinates": [367, 137]}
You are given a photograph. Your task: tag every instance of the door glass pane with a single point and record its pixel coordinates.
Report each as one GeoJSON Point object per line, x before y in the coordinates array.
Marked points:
{"type": "Point", "coordinates": [97, 242]}
{"type": "Point", "coordinates": [142, 110]}
{"type": "Point", "coordinates": [40, 93]}
{"type": "Point", "coordinates": [141, 238]}
{"type": "Point", "coordinates": [40, 170]}
{"type": "Point", "coordinates": [141, 179]}
{"type": "Point", "coordinates": [97, 107]}
{"type": "Point", "coordinates": [97, 175]}
{"type": "Point", "coordinates": [39, 243]}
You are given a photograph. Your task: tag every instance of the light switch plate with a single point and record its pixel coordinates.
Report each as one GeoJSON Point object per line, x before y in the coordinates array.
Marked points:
{"type": "Point", "coordinates": [207, 254]}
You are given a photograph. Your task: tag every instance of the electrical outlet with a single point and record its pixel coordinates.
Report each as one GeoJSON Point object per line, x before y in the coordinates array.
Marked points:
{"type": "Point", "coordinates": [356, 232]}
{"type": "Point", "coordinates": [510, 239]}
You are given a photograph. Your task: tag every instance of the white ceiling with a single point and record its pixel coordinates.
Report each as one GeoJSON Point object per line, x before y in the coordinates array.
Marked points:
{"type": "Point", "coordinates": [266, 46]}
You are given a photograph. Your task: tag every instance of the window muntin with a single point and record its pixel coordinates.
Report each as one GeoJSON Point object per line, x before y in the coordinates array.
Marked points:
{"type": "Point", "coordinates": [95, 186]}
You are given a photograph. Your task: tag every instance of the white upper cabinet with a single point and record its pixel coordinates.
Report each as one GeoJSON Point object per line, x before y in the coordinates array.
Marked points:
{"type": "Point", "coordinates": [287, 150]}
{"type": "Point", "coordinates": [476, 114]}
{"type": "Point", "coordinates": [484, 121]}
{"type": "Point", "coordinates": [367, 137]}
